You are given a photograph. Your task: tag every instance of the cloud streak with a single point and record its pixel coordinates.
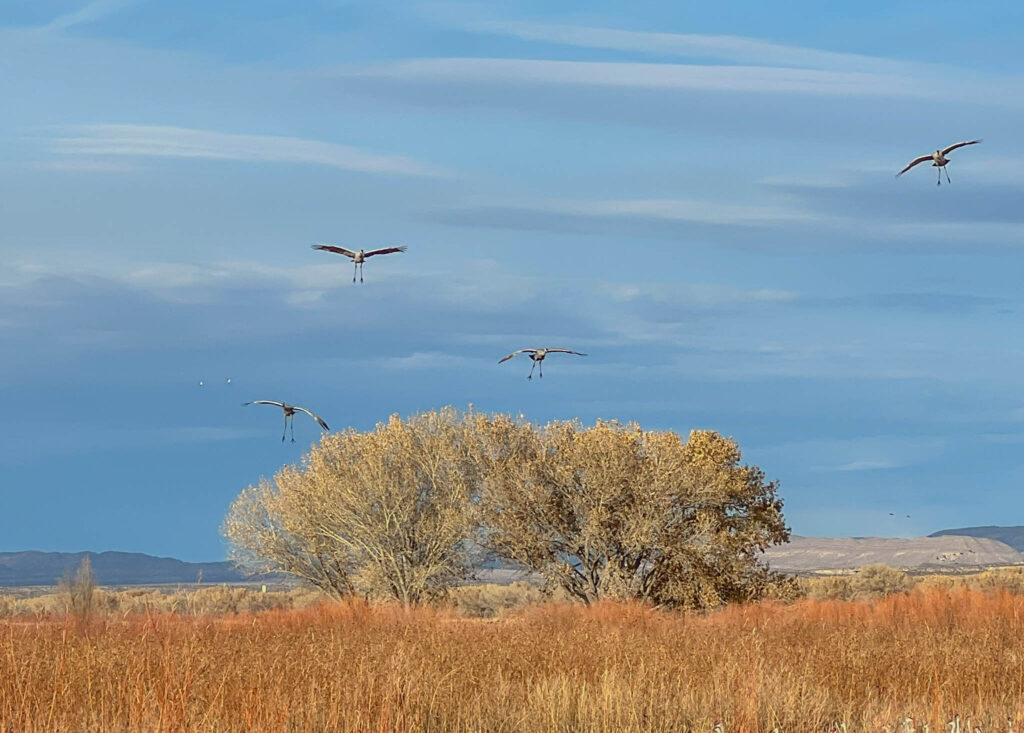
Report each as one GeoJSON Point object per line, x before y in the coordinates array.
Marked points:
{"type": "Point", "coordinates": [705, 212]}
{"type": "Point", "coordinates": [659, 218]}
{"type": "Point", "coordinates": [863, 452]}
{"type": "Point", "coordinates": [635, 75]}
{"type": "Point", "coordinates": [71, 439]}
{"type": "Point", "coordinates": [88, 13]}
{"type": "Point", "coordinates": [736, 49]}
{"type": "Point", "coordinates": [179, 142]}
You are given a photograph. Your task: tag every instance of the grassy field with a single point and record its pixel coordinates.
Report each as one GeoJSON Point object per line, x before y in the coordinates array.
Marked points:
{"type": "Point", "coordinates": [610, 667]}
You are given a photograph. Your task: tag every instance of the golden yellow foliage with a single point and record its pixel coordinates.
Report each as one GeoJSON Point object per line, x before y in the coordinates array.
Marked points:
{"type": "Point", "coordinates": [613, 511]}
{"type": "Point", "coordinates": [387, 510]}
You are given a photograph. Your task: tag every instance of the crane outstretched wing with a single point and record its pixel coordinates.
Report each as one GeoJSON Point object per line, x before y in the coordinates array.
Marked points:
{"type": "Point", "coordinates": [315, 417]}
{"type": "Point", "coordinates": [517, 353]}
{"type": "Point", "coordinates": [336, 250]}
{"type": "Point", "coordinates": [954, 146]}
{"type": "Point", "coordinates": [565, 351]}
{"type": "Point", "coordinates": [385, 251]}
{"type": "Point", "coordinates": [912, 163]}
{"type": "Point", "coordinates": [263, 402]}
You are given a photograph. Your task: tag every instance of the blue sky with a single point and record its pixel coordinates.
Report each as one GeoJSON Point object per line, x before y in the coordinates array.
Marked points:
{"type": "Point", "coordinates": [701, 196]}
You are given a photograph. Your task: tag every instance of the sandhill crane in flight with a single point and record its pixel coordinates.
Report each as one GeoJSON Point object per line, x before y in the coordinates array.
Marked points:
{"type": "Point", "coordinates": [537, 355]}
{"type": "Point", "coordinates": [358, 258]}
{"type": "Point", "coordinates": [289, 413]}
{"type": "Point", "coordinates": [939, 160]}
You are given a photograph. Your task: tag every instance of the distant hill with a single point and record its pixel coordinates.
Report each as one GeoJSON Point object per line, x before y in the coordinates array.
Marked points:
{"type": "Point", "coordinates": [948, 548]}
{"type": "Point", "coordinates": [110, 568]}
{"type": "Point", "coordinates": [806, 554]}
{"type": "Point", "coordinates": [1012, 536]}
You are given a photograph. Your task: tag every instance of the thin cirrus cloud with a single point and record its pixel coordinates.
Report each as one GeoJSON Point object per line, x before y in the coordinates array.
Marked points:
{"type": "Point", "coordinates": [72, 439]}
{"type": "Point", "coordinates": [861, 453]}
{"type": "Point", "coordinates": [84, 165]}
{"type": "Point", "coordinates": [191, 304]}
{"type": "Point", "coordinates": [736, 49]}
{"type": "Point", "coordinates": [867, 465]}
{"type": "Point", "coordinates": [666, 210]}
{"type": "Point", "coordinates": [705, 296]}
{"type": "Point", "coordinates": [706, 212]}
{"type": "Point", "coordinates": [89, 13]}
{"type": "Point", "coordinates": [637, 75]}
{"type": "Point", "coordinates": [102, 140]}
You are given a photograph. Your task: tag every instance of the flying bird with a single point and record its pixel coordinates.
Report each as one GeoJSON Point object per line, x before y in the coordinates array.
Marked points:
{"type": "Point", "coordinates": [939, 160]}
{"type": "Point", "coordinates": [537, 355]}
{"type": "Point", "coordinates": [358, 258]}
{"type": "Point", "coordinates": [289, 413]}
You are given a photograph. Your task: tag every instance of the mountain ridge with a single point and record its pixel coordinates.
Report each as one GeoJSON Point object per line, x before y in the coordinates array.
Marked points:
{"type": "Point", "coordinates": [1010, 535]}
{"type": "Point", "coordinates": [947, 548]}
{"type": "Point", "coordinates": [112, 567]}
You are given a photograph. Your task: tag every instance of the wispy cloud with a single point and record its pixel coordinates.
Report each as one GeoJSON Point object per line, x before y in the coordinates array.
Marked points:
{"type": "Point", "coordinates": [668, 210]}
{"type": "Point", "coordinates": [470, 310]}
{"type": "Point", "coordinates": [867, 465]}
{"type": "Point", "coordinates": [708, 296]}
{"type": "Point", "coordinates": [179, 142]}
{"type": "Point", "coordinates": [682, 77]}
{"type": "Point", "coordinates": [862, 453]}
{"type": "Point", "coordinates": [88, 13]}
{"type": "Point", "coordinates": [931, 302]}
{"type": "Point", "coordinates": [736, 49]}
{"type": "Point", "coordinates": [424, 360]}
{"type": "Point", "coordinates": [70, 439]}
{"type": "Point", "coordinates": [71, 165]}
{"type": "Point", "coordinates": [707, 212]}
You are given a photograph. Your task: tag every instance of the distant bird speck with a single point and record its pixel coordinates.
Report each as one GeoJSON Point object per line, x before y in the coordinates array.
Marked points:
{"type": "Point", "coordinates": [939, 160]}
{"type": "Point", "coordinates": [200, 382]}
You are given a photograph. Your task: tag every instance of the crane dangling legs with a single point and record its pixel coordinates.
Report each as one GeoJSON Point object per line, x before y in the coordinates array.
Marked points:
{"type": "Point", "coordinates": [289, 414]}
{"type": "Point", "coordinates": [939, 160]}
{"type": "Point", "coordinates": [358, 258]}
{"type": "Point", "coordinates": [537, 356]}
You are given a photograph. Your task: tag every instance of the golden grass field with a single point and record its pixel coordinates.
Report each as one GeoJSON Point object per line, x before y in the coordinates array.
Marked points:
{"type": "Point", "coordinates": [610, 667]}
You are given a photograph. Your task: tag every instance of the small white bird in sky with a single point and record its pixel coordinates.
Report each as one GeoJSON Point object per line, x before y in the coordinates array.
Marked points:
{"type": "Point", "coordinates": [289, 413]}
{"type": "Point", "coordinates": [537, 355]}
{"type": "Point", "coordinates": [939, 160]}
{"type": "Point", "coordinates": [358, 258]}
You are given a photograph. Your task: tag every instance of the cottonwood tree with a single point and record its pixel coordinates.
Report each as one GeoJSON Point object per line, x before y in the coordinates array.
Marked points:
{"type": "Point", "coordinates": [388, 510]}
{"type": "Point", "coordinates": [612, 511]}
{"type": "Point", "coordinates": [271, 529]}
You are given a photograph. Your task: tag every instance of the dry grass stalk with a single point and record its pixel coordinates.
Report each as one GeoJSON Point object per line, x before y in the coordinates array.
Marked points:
{"type": "Point", "coordinates": [608, 667]}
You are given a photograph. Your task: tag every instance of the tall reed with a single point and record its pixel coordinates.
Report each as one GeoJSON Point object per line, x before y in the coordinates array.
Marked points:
{"type": "Point", "coordinates": [608, 667]}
